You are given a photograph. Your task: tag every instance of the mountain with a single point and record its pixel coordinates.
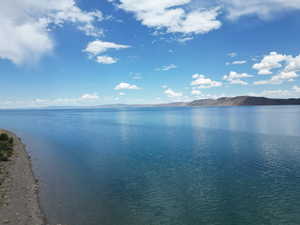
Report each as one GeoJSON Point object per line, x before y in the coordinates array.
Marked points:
{"type": "Point", "coordinates": [244, 100]}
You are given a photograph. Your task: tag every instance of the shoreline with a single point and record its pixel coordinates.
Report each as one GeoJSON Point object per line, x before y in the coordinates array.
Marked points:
{"type": "Point", "coordinates": [19, 189]}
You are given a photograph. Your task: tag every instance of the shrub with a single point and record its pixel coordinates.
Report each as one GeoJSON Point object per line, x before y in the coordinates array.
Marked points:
{"type": "Point", "coordinates": [6, 147]}
{"type": "Point", "coordinates": [11, 140]}
{"type": "Point", "coordinates": [4, 137]}
{"type": "Point", "coordinates": [4, 156]}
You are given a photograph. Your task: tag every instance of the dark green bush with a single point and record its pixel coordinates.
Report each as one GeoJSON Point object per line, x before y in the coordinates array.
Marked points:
{"type": "Point", "coordinates": [6, 147]}
{"type": "Point", "coordinates": [11, 140]}
{"type": "Point", "coordinates": [4, 156]}
{"type": "Point", "coordinates": [4, 137]}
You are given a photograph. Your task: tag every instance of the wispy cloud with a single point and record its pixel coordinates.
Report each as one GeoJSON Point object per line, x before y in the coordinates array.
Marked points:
{"type": "Point", "coordinates": [96, 48]}
{"type": "Point", "coordinates": [238, 62]}
{"type": "Point", "coordinates": [106, 60]}
{"type": "Point", "coordinates": [232, 54]}
{"type": "Point", "coordinates": [173, 94]}
{"type": "Point", "coordinates": [166, 68]}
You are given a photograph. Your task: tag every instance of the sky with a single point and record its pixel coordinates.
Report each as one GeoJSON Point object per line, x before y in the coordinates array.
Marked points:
{"type": "Point", "coordinates": [95, 52]}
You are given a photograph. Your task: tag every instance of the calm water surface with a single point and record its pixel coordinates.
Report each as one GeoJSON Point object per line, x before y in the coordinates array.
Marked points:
{"type": "Point", "coordinates": [175, 166]}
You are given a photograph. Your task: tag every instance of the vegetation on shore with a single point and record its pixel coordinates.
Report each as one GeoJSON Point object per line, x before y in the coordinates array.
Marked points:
{"type": "Point", "coordinates": [6, 147]}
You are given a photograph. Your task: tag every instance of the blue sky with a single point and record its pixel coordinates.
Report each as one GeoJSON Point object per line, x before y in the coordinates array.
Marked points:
{"type": "Point", "coordinates": [91, 52]}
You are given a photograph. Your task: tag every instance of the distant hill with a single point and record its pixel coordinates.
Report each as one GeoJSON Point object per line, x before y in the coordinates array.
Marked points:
{"type": "Point", "coordinates": [226, 101]}
{"type": "Point", "coordinates": [244, 100]}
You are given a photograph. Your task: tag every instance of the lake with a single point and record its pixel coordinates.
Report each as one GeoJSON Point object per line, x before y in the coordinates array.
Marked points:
{"type": "Point", "coordinates": [165, 166]}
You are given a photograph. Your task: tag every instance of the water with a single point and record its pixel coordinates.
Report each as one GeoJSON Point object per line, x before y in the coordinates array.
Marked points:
{"type": "Point", "coordinates": [175, 166]}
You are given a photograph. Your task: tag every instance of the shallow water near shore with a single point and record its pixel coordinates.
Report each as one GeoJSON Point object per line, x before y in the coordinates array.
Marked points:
{"type": "Point", "coordinates": [167, 166]}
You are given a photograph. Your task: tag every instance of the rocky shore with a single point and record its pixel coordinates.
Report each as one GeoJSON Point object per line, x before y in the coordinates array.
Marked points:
{"type": "Point", "coordinates": [19, 201]}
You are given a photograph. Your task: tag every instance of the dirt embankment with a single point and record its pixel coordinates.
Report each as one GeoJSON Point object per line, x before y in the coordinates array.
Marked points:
{"type": "Point", "coordinates": [19, 201]}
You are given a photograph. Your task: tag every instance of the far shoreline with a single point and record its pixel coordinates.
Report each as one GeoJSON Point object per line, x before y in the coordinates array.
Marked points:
{"type": "Point", "coordinates": [219, 102]}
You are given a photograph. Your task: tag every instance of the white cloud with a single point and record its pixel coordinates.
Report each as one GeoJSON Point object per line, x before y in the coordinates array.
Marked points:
{"type": "Point", "coordinates": [239, 62]}
{"type": "Point", "coordinates": [234, 75]}
{"type": "Point", "coordinates": [276, 93]}
{"type": "Point", "coordinates": [263, 9]}
{"type": "Point", "coordinates": [173, 15]}
{"type": "Point", "coordinates": [164, 86]}
{"type": "Point", "coordinates": [95, 48]}
{"type": "Point", "coordinates": [172, 94]}
{"type": "Point", "coordinates": [296, 88]}
{"type": "Point", "coordinates": [26, 25]}
{"type": "Point", "coordinates": [235, 78]}
{"type": "Point", "coordinates": [232, 54]}
{"type": "Point", "coordinates": [196, 92]}
{"type": "Point", "coordinates": [106, 60]}
{"type": "Point", "coordinates": [126, 86]}
{"type": "Point", "coordinates": [99, 47]}
{"type": "Point", "coordinates": [288, 66]}
{"type": "Point", "coordinates": [122, 94]}
{"type": "Point", "coordinates": [89, 97]}
{"type": "Point", "coordinates": [184, 39]}
{"type": "Point", "coordinates": [202, 82]}
{"type": "Point", "coordinates": [279, 78]}
{"type": "Point", "coordinates": [293, 64]}
{"type": "Point", "coordinates": [239, 81]}
{"type": "Point", "coordinates": [84, 99]}
{"type": "Point", "coordinates": [136, 76]}
{"type": "Point", "coordinates": [269, 62]}
{"type": "Point", "coordinates": [279, 93]}
{"type": "Point", "coordinates": [167, 68]}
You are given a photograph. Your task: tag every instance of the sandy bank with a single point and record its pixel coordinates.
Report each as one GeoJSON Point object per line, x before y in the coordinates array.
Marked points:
{"type": "Point", "coordinates": [19, 202]}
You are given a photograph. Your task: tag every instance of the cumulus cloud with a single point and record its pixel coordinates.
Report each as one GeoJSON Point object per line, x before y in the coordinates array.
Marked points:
{"type": "Point", "coordinates": [190, 17]}
{"type": "Point", "coordinates": [203, 82]}
{"type": "Point", "coordinates": [26, 25]}
{"type": "Point", "coordinates": [279, 78]}
{"type": "Point", "coordinates": [173, 94]}
{"type": "Point", "coordinates": [293, 63]}
{"type": "Point", "coordinates": [235, 78]}
{"type": "Point", "coordinates": [106, 60]}
{"type": "Point", "coordinates": [288, 66]}
{"type": "Point", "coordinates": [172, 15]}
{"type": "Point", "coordinates": [269, 62]}
{"type": "Point", "coordinates": [167, 68]}
{"type": "Point", "coordinates": [126, 86]}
